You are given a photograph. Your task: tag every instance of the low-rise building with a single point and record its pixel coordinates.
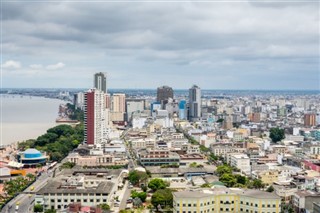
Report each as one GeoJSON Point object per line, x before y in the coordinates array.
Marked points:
{"type": "Point", "coordinates": [157, 157]}
{"type": "Point", "coordinates": [242, 162]}
{"type": "Point", "coordinates": [58, 195]}
{"type": "Point", "coordinates": [225, 200]}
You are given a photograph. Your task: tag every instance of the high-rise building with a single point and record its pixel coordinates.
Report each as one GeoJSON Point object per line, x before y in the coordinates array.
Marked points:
{"type": "Point", "coordinates": [310, 119]}
{"type": "Point", "coordinates": [194, 103]}
{"type": "Point", "coordinates": [134, 105]}
{"type": "Point", "coordinates": [118, 107]}
{"type": "Point", "coordinates": [95, 117]}
{"type": "Point", "coordinates": [163, 95]}
{"type": "Point", "coordinates": [118, 103]}
{"type": "Point", "coordinates": [100, 81]}
{"type": "Point", "coordinates": [183, 110]}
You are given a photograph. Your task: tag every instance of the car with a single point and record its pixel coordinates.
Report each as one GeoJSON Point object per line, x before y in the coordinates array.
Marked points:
{"type": "Point", "coordinates": [31, 188]}
{"type": "Point", "coordinates": [116, 204]}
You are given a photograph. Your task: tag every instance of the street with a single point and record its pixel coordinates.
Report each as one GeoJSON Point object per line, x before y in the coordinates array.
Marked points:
{"type": "Point", "coordinates": [25, 199]}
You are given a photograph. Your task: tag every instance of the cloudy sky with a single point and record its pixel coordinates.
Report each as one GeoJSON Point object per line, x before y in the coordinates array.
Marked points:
{"type": "Point", "coordinates": [217, 45]}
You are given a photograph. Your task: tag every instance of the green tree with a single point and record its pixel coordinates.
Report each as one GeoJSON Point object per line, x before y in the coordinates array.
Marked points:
{"type": "Point", "coordinates": [50, 211]}
{"type": "Point", "coordinates": [141, 195]}
{"type": "Point", "coordinates": [256, 184]}
{"type": "Point", "coordinates": [104, 206]}
{"type": "Point", "coordinates": [241, 179]}
{"type": "Point", "coordinates": [162, 197]}
{"type": "Point", "coordinates": [136, 177]}
{"type": "Point", "coordinates": [206, 185]}
{"type": "Point", "coordinates": [224, 169]}
{"type": "Point", "coordinates": [270, 189]}
{"type": "Point", "coordinates": [38, 208]}
{"type": "Point", "coordinates": [157, 183]}
{"type": "Point", "coordinates": [276, 134]}
{"type": "Point", "coordinates": [228, 179]}
{"type": "Point", "coordinates": [193, 165]}
{"type": "Point", "coordinates": [67, 165]}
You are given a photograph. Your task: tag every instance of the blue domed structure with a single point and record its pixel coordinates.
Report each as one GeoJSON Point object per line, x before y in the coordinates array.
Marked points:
{"type": "Point", "coordinates": [32, 157]}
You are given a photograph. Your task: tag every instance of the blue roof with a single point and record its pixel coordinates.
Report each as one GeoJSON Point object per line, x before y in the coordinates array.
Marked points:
{"type": "Point", "coordinates": [31, 151]}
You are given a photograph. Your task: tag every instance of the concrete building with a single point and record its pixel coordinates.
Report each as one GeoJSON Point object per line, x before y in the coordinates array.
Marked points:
{"type": "Point", "coordinates": [183, 110]}
{"type": "Point", "coordinates": [157, 157]}
{"type": "Point", "coordinates": [194, 103]}
{"type": "Point", "coordinates": [134, 105]}
{"type": "Point", "coordinates": [96, 117]}
{"type": "Point", "coordinates": [225, 200]}
{"type": "Point", "coordinates": [118, 102]}
{"type": "Point", "coordinates": [100, 81]}
{"type": "Point", "coordinates": [163, 95]}
{"type": "Point", "coordinates": [310, 119]}
{"type": "Point", "coordinates": [58, 195]}
{"type": "Point", "coordinates": [242, 162]}
{"type": "Point", "coordinates": [303, 200]}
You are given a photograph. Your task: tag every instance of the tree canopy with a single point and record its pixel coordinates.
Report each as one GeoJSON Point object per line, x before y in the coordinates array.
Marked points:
{"type": "Point", "coordinates": [162, 197]}
{"type": "Point", "coordinates": [157, 183]}
{"type": "Point", "coordinates": [276, 134]}
{"type": "Point", "coordinates": [135, 177]}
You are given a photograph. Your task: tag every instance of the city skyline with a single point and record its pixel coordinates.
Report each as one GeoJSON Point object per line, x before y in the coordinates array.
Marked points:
{"type": "Point", "coordinates": [241, 45]}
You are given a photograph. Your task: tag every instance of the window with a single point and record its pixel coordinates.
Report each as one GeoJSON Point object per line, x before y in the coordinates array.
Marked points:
{"type": "Point", "coordinates": [98, 200]}
{"type": "Point", "coordinates": [178, 204]}
{"type": "Point", "coordinates": [262, 205]}
{"type": "Point", "coordinates": [194, 205]}
{"type": "Point", "coordinates": [85, 200]}
{"type": "Point", "coordinates": [59, 200]}
{"type": "Point", "coordinates": [256, 205]}
{"type": "Point", "coordinates": [78, 200]}
{"type": "Point", "coordinates": [221, 209]}
{"type": "Point", "coordinates": [274, 205]}
{"type": "Point", "coordinates": [52, 200]}
{"type": "Point", "coordinates": [268, 205]}
{"type": "Point", "coordinates": [184, 205]}
{"type": "Point", "coordinates": [189, 205]}
{"type": "Point", "coordinates": [247, 203]}
{"type": "Point", "coordinates": [72, 200]}
{"type": "Point", "coordinates": [65, 200]}
{"type": "Point", "coordinates": [91, 200]}
{"type": "Point", "coordinates": [221, 201]}
{"type": "Point", "coordinates": [241, 202]}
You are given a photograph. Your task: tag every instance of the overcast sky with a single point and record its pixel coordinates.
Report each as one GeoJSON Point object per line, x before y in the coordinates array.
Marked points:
{"type": "Point", "coordinates": [216, 45]}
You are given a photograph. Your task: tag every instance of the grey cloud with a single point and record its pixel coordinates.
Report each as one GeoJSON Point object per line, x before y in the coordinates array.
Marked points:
{"type": "Point", "coordinates": [183, 37]}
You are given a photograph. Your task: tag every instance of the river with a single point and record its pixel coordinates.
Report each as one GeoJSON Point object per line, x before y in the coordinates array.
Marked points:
{"type": "Point", "coordinates": [26, 117]}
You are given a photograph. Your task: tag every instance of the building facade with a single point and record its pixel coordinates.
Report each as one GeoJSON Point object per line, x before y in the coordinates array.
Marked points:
{"type": "Point", "coordinates": [96, 117]}
{"type": "Point", "coordinates": [226, 200]}
{"type": "Point", "coordinates": [100, 81]}
{"type": "Point", "coordinates": [194, 103]}
{"type": "Point", "coordinates": [163, 95]}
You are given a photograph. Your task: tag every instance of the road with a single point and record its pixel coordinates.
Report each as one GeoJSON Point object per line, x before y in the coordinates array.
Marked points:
{"type": "Point", "coordinates": [24, 199]}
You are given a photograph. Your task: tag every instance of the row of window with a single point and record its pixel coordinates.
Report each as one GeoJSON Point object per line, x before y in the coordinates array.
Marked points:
{"type": "Point", "coordinates": [78, 194]}
{"type": "Point", "coordinates": [227, 202]}
{"type": "Point", "coordinates": [78, 200]}
{"type": "Point", "coordinates": [221, 209]}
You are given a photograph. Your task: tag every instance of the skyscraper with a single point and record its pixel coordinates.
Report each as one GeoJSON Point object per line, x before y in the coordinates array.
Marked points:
{"type": "Point", "coordinates": [194, 103]}
{"type": "Point", "coordinates": [182, 110]}
{"type": "Point", "coordinates": [100, 81]}
{"type": "Point", "coordinates": [310, 119]}
{"type": "Point", "coordinates": [163, 95]}
{"type": "Point", "coordinates": [95, 117]}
